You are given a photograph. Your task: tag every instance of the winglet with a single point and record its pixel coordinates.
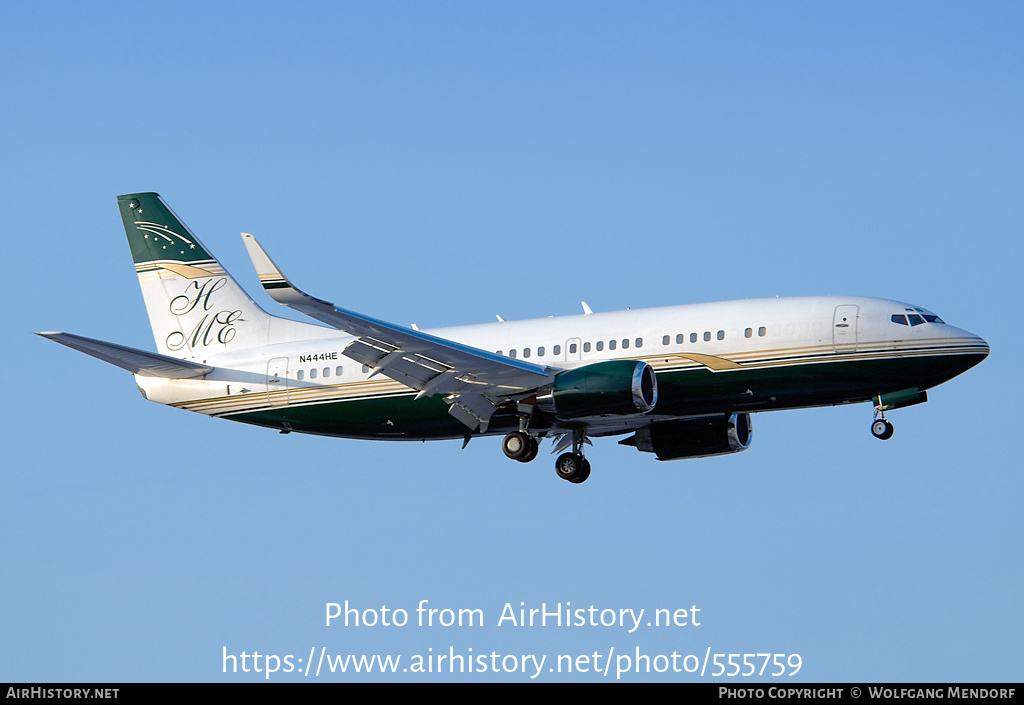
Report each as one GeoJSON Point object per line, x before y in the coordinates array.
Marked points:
{"type": "Point", "coordinates": [273, 280]}
{"type": "Point", "coordinates": [281, 290]}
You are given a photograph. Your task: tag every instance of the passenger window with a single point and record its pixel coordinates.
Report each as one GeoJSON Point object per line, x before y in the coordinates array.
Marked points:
{"type": "Point", "coordinates": [586, 347]}
{"type": "Point", "coordinates": [512, 353]}
{"type": "Point", "coordinates": [312, 373]}
{"type": "Point", "coordinates": [557, 350]}
{"type": "Point", "coordinates": [625, 343]}
{"type": "Point", "coordinates": [600, 346]}
{"type": "Point", "coordinates": [899, 318]}
{"type": "Point", "coordinates": [693, 337]}
{"type": "Point", "coordinates": [572, 348]}
{"type": "Point", "coordinates": [748, 332]}
{"type": "Point", "coordinates": [679, 338]}
{"type": "Point", "coordinates": [540, 351]}
{"type": "Point", "coordinates": [611, 344]}
{"type": "Point", "coordinates": [762, 332]}
{"type": "Point", "coordinates": [707, 336]}
{"type": "Point", "coordinates": [665, 340]}
{"type": "Point", "coordinates": [338, 370]}
{"type": "Point", "coordinates": [526, 352]}
{"type": "Point", "coordinates": [327, 372]}
{"type": "Point", "coordinates": [721, 335]}
{"type": "Point", "coordinates": [639, 342]}
{"type": "Point", "coordinates": [300, 375]}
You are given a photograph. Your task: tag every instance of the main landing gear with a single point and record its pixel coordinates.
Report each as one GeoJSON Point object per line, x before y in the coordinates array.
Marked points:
{"type": "Point", "coordinates": [572, 467]}
{"type": "Point", "coordinates": [521, 446]}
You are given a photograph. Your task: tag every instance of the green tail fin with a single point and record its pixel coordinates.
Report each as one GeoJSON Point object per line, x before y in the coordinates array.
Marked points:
{"type": "Point", "coordinates": [195, 307]}
{"type": "Point", "coordinates": [157, 235]}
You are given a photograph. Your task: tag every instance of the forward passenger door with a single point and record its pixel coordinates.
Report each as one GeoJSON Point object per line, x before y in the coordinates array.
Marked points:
{"type": "Point", "coordinates": [844, 328]}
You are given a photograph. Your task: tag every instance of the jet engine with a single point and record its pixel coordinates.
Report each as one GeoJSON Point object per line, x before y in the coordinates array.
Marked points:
{"type": "Point", "coordinates": [694, 438]}
{"type": "Point", "coordinates": [612, 388]}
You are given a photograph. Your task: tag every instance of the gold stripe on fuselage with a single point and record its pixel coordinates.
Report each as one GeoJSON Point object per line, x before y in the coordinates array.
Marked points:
{"type": "Point", "coordinates": [753, 360]}
{"type": "Point", "coordinates": [295, 396]}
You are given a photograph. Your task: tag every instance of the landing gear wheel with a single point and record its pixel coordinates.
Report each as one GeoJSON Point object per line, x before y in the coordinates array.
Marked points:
{"type": "Point", "coordinates": [518, 445]}
{"type": "Point", "coordinates": [584, 473]}
{"type": "Point", "coordinates": [532, 453]}
{"type": "Point", "coordinates": [882, 429]}
{"type": "Point", "coordinates": [572, 467]}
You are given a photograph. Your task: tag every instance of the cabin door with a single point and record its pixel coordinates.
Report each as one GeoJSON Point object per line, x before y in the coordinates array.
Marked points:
{"type": "Point", "coordinates": [844, 329]}
{"type": "Point", "coordinates": [277, 381]}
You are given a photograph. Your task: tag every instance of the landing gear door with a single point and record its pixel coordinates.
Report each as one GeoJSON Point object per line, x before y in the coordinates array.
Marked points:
{"type": "Point", "coordinates": [277, 381]}
{"type": "Point", "coordinates": [844, 329]}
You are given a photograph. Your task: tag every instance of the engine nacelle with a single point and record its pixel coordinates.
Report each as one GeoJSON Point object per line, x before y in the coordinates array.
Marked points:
{"type": "Point", "coordinates": [694, 438]}
{"type": "Point", "coordinates": [612, 388]}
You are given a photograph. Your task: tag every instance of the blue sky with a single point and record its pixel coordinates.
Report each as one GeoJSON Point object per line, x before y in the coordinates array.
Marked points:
{"type": "Point", "coordinates": [441, 163]}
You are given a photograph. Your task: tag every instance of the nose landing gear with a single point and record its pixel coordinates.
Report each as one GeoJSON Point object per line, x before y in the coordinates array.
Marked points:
{"type": "Point", "coordinates": [880, 428]}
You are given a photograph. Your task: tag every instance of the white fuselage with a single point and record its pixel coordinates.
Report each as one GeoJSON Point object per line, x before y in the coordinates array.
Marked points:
{"type": "Point", "coordinates": [722, 337]}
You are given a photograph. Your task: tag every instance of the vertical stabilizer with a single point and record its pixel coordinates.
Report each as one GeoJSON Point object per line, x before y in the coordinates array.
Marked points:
{"type": "Point", "coordinates": [195, 307]}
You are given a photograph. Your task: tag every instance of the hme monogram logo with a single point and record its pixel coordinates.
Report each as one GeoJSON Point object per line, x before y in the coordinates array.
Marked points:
{"type": "Point", "coordinates": [211, 328]}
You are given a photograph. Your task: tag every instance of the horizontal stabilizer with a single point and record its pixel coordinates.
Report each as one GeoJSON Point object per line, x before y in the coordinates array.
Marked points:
{"type": "Point", "coordinates": [136, 361]}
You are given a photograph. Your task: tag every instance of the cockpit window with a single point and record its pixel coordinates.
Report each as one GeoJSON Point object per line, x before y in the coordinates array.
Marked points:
{"type": "Point", "coordinates": [916, 317]}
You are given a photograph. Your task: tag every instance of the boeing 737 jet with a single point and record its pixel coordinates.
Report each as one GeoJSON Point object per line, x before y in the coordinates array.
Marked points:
{"type": "Point", "coordinates": [681, 381]}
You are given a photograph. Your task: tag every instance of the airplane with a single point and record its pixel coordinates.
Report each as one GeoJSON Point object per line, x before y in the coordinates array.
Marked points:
{"type": "Point", "coordinates": [682, 380]}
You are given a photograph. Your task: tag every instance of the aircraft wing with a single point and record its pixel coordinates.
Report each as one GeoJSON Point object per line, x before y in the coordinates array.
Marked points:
{"type": "Point", "coordinates": [475, 380]}
{"type": "Point", "coordinates": [136, 361]}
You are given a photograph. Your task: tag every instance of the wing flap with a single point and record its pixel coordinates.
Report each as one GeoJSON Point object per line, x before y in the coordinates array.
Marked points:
{"type": "Point", "coordinates": [473, 410]}
{"type": "Point", "coordinates": [136, 361]}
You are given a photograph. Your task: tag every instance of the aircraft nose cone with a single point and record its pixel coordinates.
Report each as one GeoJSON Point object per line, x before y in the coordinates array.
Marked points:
{"type": "Point", "coordinates": [963, 350]}
{"type": "Point", "coordinates": [979, 344]}
{"type": "Point", "coordinates": [966, 343]}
